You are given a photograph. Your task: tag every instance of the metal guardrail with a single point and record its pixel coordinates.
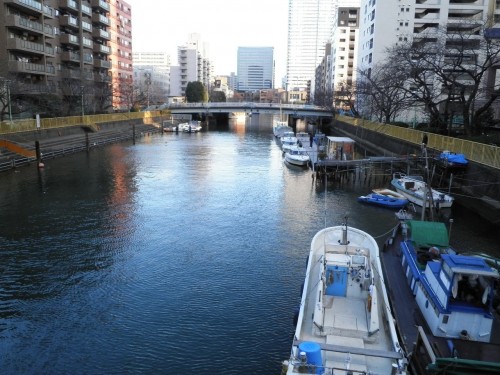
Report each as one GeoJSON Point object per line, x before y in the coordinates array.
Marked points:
{"type": "Point", "coordinates": [19, 126]}
{"type": "Point", "coordinates": [477, 152]}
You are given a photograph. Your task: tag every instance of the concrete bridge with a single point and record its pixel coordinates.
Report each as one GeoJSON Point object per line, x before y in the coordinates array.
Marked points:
{"type": "Point", "coordinates": [212, 108]}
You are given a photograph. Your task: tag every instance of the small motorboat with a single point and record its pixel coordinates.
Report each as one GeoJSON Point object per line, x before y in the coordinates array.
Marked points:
{"type": "Point", "coordinates": [383, 200]}
{"type": "Point", "coordinates": [297, 156]}
{"type": "Point", "coordinates": [450, 159]}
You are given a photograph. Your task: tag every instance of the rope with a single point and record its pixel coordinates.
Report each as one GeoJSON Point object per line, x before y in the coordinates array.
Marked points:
{"type": "Point", "coordinates": [386, 233]}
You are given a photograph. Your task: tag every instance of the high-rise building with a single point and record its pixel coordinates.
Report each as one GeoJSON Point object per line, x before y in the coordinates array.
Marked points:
{"type": "Point", "coordinates": [57, 47]}
{"type": "Point", "coordinates": [310, 25]}
{"type": "Point", "coordinates": [255, 68]}
{"type": "Point", "coordinates": [194, 66]}
{"type": "Point", "coordinates": [121, 55]}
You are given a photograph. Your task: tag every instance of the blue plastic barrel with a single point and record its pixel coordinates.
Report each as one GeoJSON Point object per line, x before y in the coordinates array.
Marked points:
{"type": "Point", "coordinates": [313, 355]}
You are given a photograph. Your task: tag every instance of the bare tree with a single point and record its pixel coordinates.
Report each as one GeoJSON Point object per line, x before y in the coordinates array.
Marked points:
{"type": "Point", "coordinates": [451, 72]}
{"type": "Point", "coordinates": [382, 91]}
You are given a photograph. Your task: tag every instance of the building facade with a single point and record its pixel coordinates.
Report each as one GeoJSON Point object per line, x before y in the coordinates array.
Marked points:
{"type": "Point", "coordinates": [255, 68]}
{"type": "Point", "coordinates": [384, 24]}
{"type": "Point", "coordinates": [58, 48]}
{"type": "Point", "coordinates": [310, 25]}
{"type": "Point", "coordinates": [152, 76]}
{"type": "Point", "coordinates": [121, 72]}
{"type": "Point", "coordinates": [194, 65]}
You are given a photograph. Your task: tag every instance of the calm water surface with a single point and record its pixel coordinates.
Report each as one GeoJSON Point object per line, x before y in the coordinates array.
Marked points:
{"type": "Point", "coordinates": [180, 254]}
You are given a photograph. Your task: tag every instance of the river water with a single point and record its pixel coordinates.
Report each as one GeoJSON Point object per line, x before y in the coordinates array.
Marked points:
{"type": "Point", "coordinates": [179, 254]}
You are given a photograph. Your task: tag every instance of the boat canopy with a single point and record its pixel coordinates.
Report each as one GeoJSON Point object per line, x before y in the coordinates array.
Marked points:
{"type": "Point", "coordinates": [428, 233]}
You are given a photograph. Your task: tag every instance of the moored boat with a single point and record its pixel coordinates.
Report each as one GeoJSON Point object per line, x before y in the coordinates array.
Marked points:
{"type": "Point", "coordinates": [383, 200]}
{"type": "Point", "coordinates": [389, 193]}
{"type": "Point", "coordinates": [415, 189]}
{"type": "Point", "coordinates": [288, 140]}
{"type": "Point", "coordinates": [345, 322]}
{"type": "Point", "coordinates": [190, 127]}
{"type": "Point", "coordinates": [443, 302]}
{"type": "Point", "coordinates": [296, 155]}
{"type": "Point", "coordinates": [452, 160]}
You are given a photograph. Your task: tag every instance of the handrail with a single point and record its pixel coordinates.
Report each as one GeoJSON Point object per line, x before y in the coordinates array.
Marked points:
{"type": "Point", "coordinates": [474, 151]}
{"type": "Point", "coordinates": [24, 125]}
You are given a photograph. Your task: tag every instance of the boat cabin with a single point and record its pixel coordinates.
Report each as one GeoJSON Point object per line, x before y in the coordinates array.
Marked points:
{"type": "Point", "coordinates": [454, 292]}
{"type": "Point", "coordinates": [339, 148]}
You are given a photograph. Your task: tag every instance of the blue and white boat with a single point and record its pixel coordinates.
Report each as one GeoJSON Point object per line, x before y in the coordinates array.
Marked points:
{"type": "Point", "coordinates": [345, 324]}
{"type": "Point", "coordinates": [452, 160]}
{"type": "Point", "coordinates": [383, 200]}
{"type": "Point", "coordinates": [443, 302]}
{"type": "Point", "coordinates": [415, 189]}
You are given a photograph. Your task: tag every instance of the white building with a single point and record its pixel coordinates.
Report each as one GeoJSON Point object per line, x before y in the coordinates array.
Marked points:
{"type": "Point", "coordinates": [385, 23]}
{"type": "Point", "coordinates": [152, 75]}
{"type": "Point", "coordinates": [309, 30]}
{"type": "Point", "coordinates": [194, 66]}
{"type": "Point", "coordinates": [344, 48]}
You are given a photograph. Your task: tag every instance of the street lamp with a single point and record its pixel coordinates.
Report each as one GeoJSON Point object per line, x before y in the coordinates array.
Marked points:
{"type": "Point", "coordinates": [83, 112]}
{"type": "Point", "coordinates": [8, 96]}
{"type": "Point", "coordinates": [7, 89]}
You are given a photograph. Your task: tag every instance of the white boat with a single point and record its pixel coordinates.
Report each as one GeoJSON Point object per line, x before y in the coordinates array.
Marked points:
{"type": "Point", "coordinates": [303, 138]}
{"type": "Point", "coordinates": [297, 156]}
{"type": "Point", "coordinates": [288, 140]}
{"type": "Point", "coordinates": [190, 127]}
{"type": "Point", "coordinates": [280, 127]}
{"type": "Point", "coordinates": [345, 324]}
{"type": "Point", "coordinates": [414, 189]}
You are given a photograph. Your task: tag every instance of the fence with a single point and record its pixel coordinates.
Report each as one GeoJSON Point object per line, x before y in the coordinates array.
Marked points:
{"type": "Point", "coordinates": [18, 126]}
{"type": "Point", "coordinates": [477, 152]}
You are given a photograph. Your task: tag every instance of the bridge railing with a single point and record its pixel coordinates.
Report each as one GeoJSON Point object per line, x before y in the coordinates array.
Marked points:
{"type": "Point", "coordinates": [478, 152]}
{"type": "Point", "coordinates": [18, 126]}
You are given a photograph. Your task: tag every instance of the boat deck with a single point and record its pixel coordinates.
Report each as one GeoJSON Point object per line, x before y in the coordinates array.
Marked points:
{"type": "Point", "coordinates": [344, 336]}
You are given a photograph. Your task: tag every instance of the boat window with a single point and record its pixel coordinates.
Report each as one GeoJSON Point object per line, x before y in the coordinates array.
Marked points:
{"type": "Point", "coordinates": [445, 319]}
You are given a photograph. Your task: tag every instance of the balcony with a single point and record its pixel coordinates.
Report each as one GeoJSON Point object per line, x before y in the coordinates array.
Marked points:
{"type": "Point", "coordinates": [86, 10]}
{"type": "Point", "coordinates": [69, 5]}
{"type": "Point", "coordinates": [70, 22]}
{"type": "Point", "coordinates": [19, 44]}
{"type": "Point", "coordinates": [103, 64]}
{"type": "Point", "coordinates": [30, 68]}
{"type": "Point", "coordinates": [28, 6]}
{"type": "Point", "coordinates": [70, 56]}
{"type": "Point", "coordinates": [100, 19]}
{"type": "Point", "coordinates": [100, 48]}
{"type": "Point", "coordinates": [70, 39]}
{"type": "Point", "coordinates": [100, 4]}
{"type": "Point", "coordinates": [101, 34]}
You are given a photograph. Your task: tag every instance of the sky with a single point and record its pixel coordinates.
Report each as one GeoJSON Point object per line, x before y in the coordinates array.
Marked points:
{"type": "Point", "coordinates": [162, 25]}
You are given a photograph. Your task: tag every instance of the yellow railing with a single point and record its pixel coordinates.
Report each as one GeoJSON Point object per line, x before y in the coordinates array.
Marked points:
{"type": "Point", "coordinates": [478, 152]}
{"type": "Point", "coordinates": [6, 127]}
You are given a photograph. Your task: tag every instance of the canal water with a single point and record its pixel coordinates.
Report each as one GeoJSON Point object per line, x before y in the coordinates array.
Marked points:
{"type": "Point", "coordinates": [183, 253]}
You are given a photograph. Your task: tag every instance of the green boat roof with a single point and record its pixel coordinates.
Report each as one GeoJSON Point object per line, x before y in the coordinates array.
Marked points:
{"type": "Point", "coordinates": [428, 233]}
{"type": "Point", "coordinates": [458, 366]}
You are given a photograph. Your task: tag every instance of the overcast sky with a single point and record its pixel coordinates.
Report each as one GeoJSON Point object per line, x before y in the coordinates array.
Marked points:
{"type": "Point", "coordinates": [162, 25]}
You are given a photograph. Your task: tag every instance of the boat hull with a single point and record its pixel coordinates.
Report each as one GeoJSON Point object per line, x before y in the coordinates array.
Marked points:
{"type": "Point", "coordinates": [383, 201]}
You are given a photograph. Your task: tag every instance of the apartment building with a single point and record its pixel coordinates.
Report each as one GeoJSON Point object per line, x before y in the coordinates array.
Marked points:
{"type": "Point", "coordinates": [255, 68]}
{"type": "Point", "coordinates": [389, 22]}
{"type": "Point", "coordinates": [152, 75]}
{"type": "Point", "coordinates": [194, 65]}
{"type": "Point", "coordinates": [121, 59]}
{"type": "Point", "coordinates": [58, 47]}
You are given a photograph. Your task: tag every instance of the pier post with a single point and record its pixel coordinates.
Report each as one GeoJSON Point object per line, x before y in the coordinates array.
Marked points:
{"type": "Point", "coordinates": [87, 143]}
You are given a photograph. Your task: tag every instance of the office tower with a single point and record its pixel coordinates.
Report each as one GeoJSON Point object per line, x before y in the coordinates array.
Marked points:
{"type": "Point", "coordinates": [56, 47]}
{"type": "Point", "coordinates": [255, 68]}
{"type": "Point", "coordinates": [121, 54]}
{"type": "Point", "coordinates": [310, 25]}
